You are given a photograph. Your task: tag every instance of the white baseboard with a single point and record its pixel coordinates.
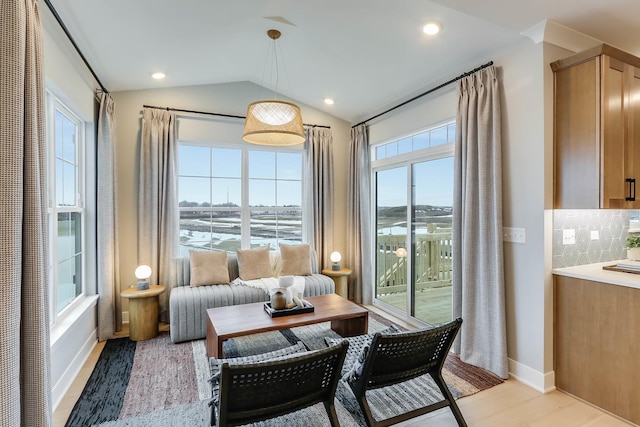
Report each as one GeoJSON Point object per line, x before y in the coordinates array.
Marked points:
{"type": "Point", "coordinates": [62, 386]}
{"type": "Point", "coordinates": [544, 383]}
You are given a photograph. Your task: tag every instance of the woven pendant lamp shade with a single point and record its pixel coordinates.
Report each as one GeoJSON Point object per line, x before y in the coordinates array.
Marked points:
{"type": "Point", "coordinates": [273, 123]}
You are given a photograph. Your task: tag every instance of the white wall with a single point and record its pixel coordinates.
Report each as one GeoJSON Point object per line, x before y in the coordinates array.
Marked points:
{"type": "Point", "coordinates": [73, 339]}
{"type": "Point", "coordinates": [231, 98]}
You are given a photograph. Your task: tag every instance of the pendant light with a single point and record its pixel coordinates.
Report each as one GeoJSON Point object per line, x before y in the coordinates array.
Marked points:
{"type": "Point", "coordinates": [273, 122]}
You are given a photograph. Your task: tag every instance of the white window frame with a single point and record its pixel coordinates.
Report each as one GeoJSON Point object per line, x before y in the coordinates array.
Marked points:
{"type": "Point", "coordinates": [244, 209]}
{"type": "Point", "coordinates": [53, 104]}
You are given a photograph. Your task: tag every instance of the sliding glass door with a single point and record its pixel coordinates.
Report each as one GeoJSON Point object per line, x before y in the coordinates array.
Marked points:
{"type": "Point", "coordinates": [413, 215]}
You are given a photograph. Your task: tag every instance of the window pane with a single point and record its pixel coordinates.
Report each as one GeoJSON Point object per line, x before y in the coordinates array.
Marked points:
{"type": "Point", "coordinates": [421, 141]}
{"type": "Point", "coordinates": [68, 184]}
{"type": "Point", "coordinates": [194, 161]}
{"type": "Point", "coordinates": [69, 140]}
{"type": "Point", "coordinates": [391, 225]}
{"type": "Point", "coordinates": [439, 136]}
{"type": "Point", "coordinates": [271, 227]}
{"type": "Point", "coordinates": [262, 192]}
{"type": "Point", "coordinates": [289, 193]}
{"type": "Point", "coordinates": [451, 132]}
{"type": "Point", "coordinates": [226, 192]}
{"type": "Point", "coordinates": [217, 230]}
{"type": "Point", "coordinates": [404, 146]}
{"type": "Point", "coordinates": [69, 245]}
{"type": "Point", "coordinates": [381, 152]}
{"type": "Point", "coordinates": [194, 191]}
{"type": "Point", "coordinates": [392, 149]}
{"type": "Point", "coordinates": [289, 166]}
{"type": "Point", "coordinates": [262, 164]}
{"type": "Point", "coordinates": [227, 163]}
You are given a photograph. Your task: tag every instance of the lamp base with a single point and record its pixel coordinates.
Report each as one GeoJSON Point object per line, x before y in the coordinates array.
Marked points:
{"type": "Point", "coordinates": [143, 285]}
{"type": "Point", "coordinates": [335, 267]}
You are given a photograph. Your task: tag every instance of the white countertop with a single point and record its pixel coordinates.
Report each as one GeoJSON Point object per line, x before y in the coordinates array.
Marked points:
{"type": "Point", "coordinates": [595, 273]}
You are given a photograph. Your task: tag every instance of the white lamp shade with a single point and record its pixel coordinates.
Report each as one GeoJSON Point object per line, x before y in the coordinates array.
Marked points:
{"type": "Point", "coordinates": [275, 123]}
{"type": "Point", "coordinates": [143, 272]}
{"type": "Point", "coordinates": [401, 252]}
{"type": "Point", "coordinates": [335, 257]}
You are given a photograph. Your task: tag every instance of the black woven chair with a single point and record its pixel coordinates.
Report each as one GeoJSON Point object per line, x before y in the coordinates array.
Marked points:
{"type": "Point", "coordinates": [260, 391]}
{"type": "Point", "coordinates": [395, 358]}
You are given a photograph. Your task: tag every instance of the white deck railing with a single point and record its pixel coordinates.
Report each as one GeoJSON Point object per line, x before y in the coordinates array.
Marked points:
{"type": "Point", "coordinates": [432, 263]}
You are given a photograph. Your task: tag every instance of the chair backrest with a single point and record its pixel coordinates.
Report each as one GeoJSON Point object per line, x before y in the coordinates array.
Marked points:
{"type": "Point", "coordinates": [260, 391]}
{"type": "Point", "coordinates": [394, 358]}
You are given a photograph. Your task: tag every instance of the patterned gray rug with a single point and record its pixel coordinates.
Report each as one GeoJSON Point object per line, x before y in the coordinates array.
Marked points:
{"type": "Point", "coordinates": [167, 384]}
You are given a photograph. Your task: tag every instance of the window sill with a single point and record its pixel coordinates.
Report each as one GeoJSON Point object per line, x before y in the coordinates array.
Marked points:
{"type": "Point", "coordinates": [59, 329]}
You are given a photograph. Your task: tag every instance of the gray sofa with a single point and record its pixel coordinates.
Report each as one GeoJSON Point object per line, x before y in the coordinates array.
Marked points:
{"type": "Point", "coordinates": [188, 305]}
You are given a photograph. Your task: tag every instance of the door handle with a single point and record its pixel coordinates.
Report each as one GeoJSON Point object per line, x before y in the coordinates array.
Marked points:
{"type": "Point", "coordinates": [632, 190]}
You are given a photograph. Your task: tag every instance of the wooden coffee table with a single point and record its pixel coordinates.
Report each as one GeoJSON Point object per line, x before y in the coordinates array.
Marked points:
{"type": "Point", "coordinates": [347, 319]}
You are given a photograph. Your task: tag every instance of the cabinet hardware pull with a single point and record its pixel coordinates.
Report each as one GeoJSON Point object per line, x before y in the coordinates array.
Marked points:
{"type": "Point", "coordinates": [632, 190]}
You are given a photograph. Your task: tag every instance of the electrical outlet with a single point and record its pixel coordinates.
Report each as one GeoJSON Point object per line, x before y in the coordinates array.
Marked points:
{"type": "Point", "coordinates": [515, 235]}
{"type": "Point", "coordinates": [595, 235]}
{"type": "Point", "coordinates": [569, 236]}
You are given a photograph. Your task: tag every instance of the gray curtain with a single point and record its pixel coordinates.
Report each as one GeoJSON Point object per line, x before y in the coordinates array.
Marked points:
{"type": "Point", "coordinates": [25, 386]}
{"type": "Point", "coordinates": [109, 310]}
{"type": "Point", "coordinates": [359, 241]}
{"type": "Point", "coordinates": [478, 276]}
{"type": "Point", "coordinates": [320, 192]}
{"type": "Point", "coordinates": [158, 220]}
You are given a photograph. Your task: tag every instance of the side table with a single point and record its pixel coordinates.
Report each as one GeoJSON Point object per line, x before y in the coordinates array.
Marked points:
{"type": "Point", "coordinates": [143, 312]}
{"type": "Point", "coordinates": [340, 279]}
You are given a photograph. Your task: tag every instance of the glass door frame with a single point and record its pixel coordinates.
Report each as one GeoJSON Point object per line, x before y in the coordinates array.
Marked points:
{"type": "Point", "coordinates": [405, 160]}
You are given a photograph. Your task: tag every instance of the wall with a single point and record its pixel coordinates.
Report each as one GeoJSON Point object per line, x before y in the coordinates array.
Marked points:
{"type": "Point", "coordinates": [73, 338]}
{"type": "Point", "coordinates": [231, 98]}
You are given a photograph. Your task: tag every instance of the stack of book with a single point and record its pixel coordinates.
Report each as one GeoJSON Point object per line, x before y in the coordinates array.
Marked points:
{"type": "Point", "coordinates": [629, 265]}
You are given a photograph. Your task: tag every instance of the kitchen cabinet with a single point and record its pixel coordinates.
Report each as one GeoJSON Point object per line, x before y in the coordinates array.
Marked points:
{"type": "Point", "coordinates": [597, 344]}
{"type": "Point", "coordinates": [597, 130]}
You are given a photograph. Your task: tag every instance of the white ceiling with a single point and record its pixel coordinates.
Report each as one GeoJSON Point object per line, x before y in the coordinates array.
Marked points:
{"type": "Point", "coordinates": [366, 54]}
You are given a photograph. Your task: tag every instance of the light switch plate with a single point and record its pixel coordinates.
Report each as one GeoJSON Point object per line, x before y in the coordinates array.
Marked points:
{"type": "Point", "coordinates": [515, 235]}
{"type": "Point", "coordinates": [569, 236]}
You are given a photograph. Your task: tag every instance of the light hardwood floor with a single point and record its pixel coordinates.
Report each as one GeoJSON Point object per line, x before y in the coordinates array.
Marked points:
{"type": "Point", "coordinates": [509, 404]}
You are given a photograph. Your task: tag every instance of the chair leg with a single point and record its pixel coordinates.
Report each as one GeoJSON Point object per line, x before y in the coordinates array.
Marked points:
{"type": "Point", "coordinates": [437, 377]}
{"type": "Point", "coordinates": [331, 412]}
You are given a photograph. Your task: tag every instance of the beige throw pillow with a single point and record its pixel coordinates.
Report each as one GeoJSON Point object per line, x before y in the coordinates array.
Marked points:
{"type": "Point", "coordinates": [296, 260]}
{"type": "Point", "coordinates": [254, 263]}
{"type": "Point", "coordinates": [208, 268]}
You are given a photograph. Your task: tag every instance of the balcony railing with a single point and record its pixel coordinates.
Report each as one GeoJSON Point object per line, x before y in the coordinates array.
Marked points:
{"type": "Point", "coordinates": [432, 262]}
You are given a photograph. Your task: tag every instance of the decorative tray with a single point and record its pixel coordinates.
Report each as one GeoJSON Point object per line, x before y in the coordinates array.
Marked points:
{"type": "Point", "coordinates": [308, 308]}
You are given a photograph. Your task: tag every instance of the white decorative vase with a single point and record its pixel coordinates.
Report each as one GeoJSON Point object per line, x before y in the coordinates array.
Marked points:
{"type": "Point", "coordinates": [633, 254]}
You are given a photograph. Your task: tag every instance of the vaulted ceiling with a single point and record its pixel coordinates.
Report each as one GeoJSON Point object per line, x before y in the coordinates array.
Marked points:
{"type": "Point", "coordinates": [365, 54]}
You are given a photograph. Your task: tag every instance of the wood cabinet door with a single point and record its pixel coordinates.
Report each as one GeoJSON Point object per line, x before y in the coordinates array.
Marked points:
{"type": "Point", "coordinates": [620, 148]}
{"type": "Point", "coordinates": [632, 149]}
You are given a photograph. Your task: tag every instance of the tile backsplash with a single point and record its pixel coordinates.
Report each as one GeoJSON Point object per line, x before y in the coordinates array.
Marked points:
{"type": "Point", "coordinates": [612, 226]}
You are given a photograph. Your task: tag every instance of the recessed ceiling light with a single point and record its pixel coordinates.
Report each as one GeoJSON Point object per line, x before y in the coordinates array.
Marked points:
{"type": "Point", "coordinates": [158, 75]}
{"type": "Point", "coordinates": [432, 28]}
{"type": "Point", "coordinates": [329, 101]}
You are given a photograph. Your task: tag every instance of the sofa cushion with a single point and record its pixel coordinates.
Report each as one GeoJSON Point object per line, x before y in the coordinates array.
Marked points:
{"type": "Point", "coordinates": [296, 260]}
{"type": "Point", "coordinates": [208, 268]}
{"type": "Point", "coordinates": [254, 263]}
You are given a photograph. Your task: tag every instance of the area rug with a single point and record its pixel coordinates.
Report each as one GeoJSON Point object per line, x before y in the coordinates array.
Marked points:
{"type": "Point", "coordinates": [157, 383]}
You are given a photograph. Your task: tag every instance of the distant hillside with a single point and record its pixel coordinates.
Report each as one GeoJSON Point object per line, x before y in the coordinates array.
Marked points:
{"type": "Point", "coordinates": [421, 211]}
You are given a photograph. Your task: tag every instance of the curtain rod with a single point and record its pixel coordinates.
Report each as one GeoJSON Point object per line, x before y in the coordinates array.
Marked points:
{"type": "Point", "coordinates": [461, 76]}
{"type": "Point", "coordinates": [73, 42]}
{"type": "Point", "coordinates": [217, 114]}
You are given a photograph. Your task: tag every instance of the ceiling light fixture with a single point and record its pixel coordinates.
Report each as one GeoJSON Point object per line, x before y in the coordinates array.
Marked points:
{"type": "Point", "coordinates": [273, 122]}
{"type": "Point", "coordinates": [159, 75]}
{"type": "Point", "coordinates": [432, 28]}
{"type": "Point", "coordinates": [329, 101]}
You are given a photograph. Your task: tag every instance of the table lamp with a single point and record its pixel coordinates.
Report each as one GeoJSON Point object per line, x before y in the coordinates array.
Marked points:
{"type": "Point", "coordinates": [143, 273]}
{"type": "Point", "coordinates": [335, 258]}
